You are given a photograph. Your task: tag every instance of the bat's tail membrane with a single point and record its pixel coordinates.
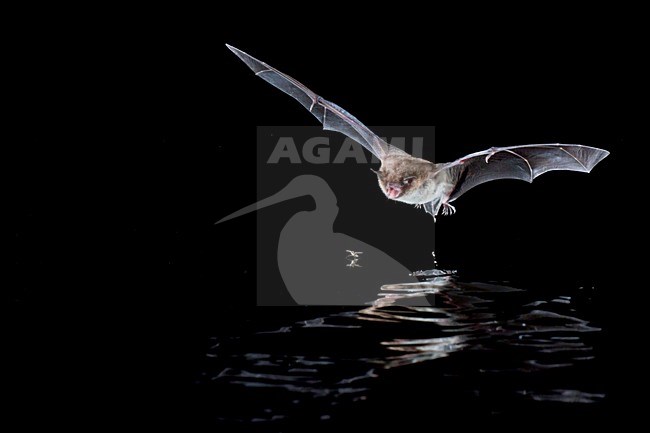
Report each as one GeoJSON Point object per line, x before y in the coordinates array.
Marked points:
{"type": "Point", "coordinates": [333, 117]}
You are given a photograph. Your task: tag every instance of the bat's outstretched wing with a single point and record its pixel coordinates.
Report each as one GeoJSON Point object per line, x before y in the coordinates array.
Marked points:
{"type": "Point", "coordinates": [518, 162]}
{"type": "Point", "coordinates": [333, 117]}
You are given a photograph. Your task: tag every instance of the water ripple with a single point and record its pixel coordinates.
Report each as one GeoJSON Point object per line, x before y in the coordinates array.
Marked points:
{"type": "Point", "coordinates": [501, 338]}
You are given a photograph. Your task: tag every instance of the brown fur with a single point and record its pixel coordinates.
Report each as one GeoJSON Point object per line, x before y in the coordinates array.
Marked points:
{"type": "Point", "coordinates": [395, 168]}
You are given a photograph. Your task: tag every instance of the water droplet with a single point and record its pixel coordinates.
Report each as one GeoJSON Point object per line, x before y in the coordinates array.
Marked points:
{"type": "Point", "coordinates": [435, 262]}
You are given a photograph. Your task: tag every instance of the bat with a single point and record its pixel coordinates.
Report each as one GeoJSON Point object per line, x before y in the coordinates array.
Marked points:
{"type": "Point", "coordinates": [422, 183]}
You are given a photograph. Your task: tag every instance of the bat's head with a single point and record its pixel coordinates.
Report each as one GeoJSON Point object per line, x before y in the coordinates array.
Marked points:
{"type": "Point", "coordinates": [399, 177]}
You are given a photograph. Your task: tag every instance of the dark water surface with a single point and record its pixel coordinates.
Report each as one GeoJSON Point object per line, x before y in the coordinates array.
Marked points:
{"type": "Point", "coordinates": [440, 350]}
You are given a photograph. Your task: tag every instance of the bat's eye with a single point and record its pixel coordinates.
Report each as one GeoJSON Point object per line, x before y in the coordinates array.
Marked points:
{"type": "Point", "coordinates": [408, 180]}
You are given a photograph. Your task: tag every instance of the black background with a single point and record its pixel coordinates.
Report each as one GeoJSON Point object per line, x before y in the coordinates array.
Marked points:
{"type": "Point", "coordinates": [135, 136]}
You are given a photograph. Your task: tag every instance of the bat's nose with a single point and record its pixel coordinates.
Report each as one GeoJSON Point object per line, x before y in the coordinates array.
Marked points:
{"type": "Point", "coordinates": [394, 189]}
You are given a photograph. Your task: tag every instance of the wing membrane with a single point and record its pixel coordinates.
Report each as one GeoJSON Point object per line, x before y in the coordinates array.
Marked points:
{"type": "Point", "coordinates": [333, 117]}
{"type": "Point", "coordinates": [520, 162]}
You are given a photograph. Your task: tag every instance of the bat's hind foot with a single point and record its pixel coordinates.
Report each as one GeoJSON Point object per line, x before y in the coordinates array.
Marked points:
{"type": "Point", "coordinates": [448, 209]}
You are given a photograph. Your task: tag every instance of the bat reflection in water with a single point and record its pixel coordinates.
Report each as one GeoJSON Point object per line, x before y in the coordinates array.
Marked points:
{"type": "Point", "coordinates": [411, 180]}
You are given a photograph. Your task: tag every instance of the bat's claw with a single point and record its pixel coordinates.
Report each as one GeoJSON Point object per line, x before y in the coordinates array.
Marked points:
{"type": "Point", "coordinates": [491, 153]}
{"type": "Point", "coordinates": [448, 209]}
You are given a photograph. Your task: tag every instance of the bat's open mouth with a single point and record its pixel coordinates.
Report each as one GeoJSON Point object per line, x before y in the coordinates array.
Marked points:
{"type": "Point", "coordinates": [394, 191]}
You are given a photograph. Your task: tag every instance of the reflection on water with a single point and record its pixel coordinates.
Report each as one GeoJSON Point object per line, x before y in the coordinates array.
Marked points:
{"type": "Point", "coordinates": [464, 342]}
